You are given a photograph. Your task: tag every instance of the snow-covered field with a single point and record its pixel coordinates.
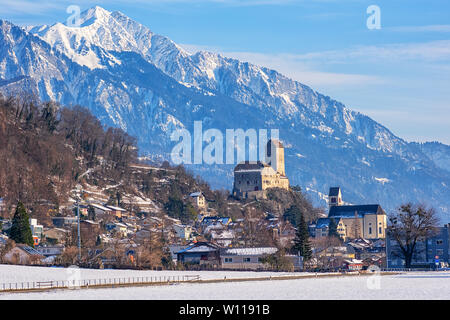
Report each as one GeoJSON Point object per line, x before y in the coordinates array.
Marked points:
{"type": "Point", "coordinates": [417, 285]}
{"type": "Point", "coordinates": [13, 273]}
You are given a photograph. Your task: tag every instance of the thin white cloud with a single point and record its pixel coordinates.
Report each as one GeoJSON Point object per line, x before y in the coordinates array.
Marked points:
{"type": "Point", "coordinates": [22, 7]}
{"type": "Point", "coordinates": [424, 51]}
{"type": "Point", "coordinates": [429, 28]}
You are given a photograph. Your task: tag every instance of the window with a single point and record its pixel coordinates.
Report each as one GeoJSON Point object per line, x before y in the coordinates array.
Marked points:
{"type": "Point", "coordinates": [228, 260]}
{"type": "Point", "coordinates": [380, 230]}
{"type": "Point", "coordinates": [370, 230]}
{"type": "Point", "coordinates": [246, 259]}
{"type": "Point", "coordinates": [333, 200]}
{"type": "Point", "coordinates": [439, 242]}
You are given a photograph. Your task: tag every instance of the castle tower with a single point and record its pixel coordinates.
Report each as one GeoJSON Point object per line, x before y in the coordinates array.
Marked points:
{"type": "Point", "coordinates": [275, 156]}
{"type": "Point", "coordinates": [335, 197]}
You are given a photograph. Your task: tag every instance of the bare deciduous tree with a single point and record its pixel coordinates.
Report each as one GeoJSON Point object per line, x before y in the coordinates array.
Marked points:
{"type": "Point", "coordinates": [410, 224]}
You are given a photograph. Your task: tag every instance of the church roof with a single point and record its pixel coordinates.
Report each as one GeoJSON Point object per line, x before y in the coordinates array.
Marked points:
{"type": "Point", "coordinates": [360, 210]}
{"type": "Point", "coordinates": [334, 191]}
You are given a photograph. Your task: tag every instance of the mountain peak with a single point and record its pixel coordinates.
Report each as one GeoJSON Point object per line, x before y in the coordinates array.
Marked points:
{"type": "Point", "coordinates": [94, 14]}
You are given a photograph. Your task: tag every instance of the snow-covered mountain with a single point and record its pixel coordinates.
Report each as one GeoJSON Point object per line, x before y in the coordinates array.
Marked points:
{"type": "Point", "coordinates": [148, 85]}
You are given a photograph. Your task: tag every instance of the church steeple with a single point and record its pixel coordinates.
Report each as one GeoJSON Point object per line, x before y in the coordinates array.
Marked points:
{"type": "Point", "coordinates": [335, 197]}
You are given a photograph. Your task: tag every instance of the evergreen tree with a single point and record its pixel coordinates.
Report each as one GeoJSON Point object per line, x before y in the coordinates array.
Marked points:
{"type": "Point", "coordinates": [20, 230]}
{"type": "Point", "coordinates": [301, 241]}
{"type": "Point", "coordinates": [332, 229]}
{"type": "Point", "coordinates": [292, 214]}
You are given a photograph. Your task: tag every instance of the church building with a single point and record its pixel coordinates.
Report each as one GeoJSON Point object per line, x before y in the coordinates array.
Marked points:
{"type": "Point", "coordinates": [253, 178]}
{"type": "Point", "coordinates": [366, 221]}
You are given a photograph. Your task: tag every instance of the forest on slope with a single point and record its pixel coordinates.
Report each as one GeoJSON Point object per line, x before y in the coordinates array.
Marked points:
{"type": "Point", "coordinates": [45, 148]}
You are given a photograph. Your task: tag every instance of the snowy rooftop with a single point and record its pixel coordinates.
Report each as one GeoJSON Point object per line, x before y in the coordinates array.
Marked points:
{"type": "Point", "coordinates": [116, 208]}
{"type": "Point", "coordinates": [99, 206]}
{"type": "Point", "coordinates": [249, 251]}
{"type": "Point", "coordinates": [201, 248]}
{"type": "Point", "coordinates": [195, 194]}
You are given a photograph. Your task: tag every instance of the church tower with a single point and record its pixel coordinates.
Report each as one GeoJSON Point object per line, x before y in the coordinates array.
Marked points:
{"type": "Point", "coordinates": [335, 197]}
{"type": "Point", "coordinates": [275, 156]}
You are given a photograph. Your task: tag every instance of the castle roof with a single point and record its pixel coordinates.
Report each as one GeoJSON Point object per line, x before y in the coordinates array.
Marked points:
{"type": "Point", "coordinates": [250, 166]}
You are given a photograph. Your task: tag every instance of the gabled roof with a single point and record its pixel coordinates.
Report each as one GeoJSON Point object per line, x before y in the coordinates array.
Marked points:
{"type": "Point", "coordinates": [353, 261]}
{"type": "Point", "coordinates": [199, 247]}
{"type": "Point", "coordinates": [89, 222]}
{"type": "Point", "coordinates": [360, 210]}
{"type": "Point", "coordinates": [322, 223]}
{"type": "Point", "coordinates": [99, 206]}
{"type": "Point", "coordinates": [29, 250]}
{"type": "Point", "coordinates": [334, 191]}
{"type": "Point", "coordinates": [249, 251]}
{"type": "Point", "coordinates": [116, 208]}
{"type": "Point", "coordinates": [214, 220]}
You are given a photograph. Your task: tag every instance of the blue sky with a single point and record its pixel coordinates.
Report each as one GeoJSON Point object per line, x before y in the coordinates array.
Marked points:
{"type": "Point", "coordinates": [398, 74]}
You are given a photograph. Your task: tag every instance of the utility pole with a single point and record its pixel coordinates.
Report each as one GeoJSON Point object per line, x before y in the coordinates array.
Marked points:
{"type": "Point", "coordinates": [386, 249]}
{"type": "Point", "coordinates": [78, 225]}
{"type": "Point", "coordinates": [79, 236]}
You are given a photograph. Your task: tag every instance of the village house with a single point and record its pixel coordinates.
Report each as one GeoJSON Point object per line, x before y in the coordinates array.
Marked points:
{"type": "Point", "coordinates": [23, 254]}
{"type": "Point", "coordinates": [183, 232]}
{"type": "Point", "coordinates": [90, 227]}
{"type": "Point", "coordinates": [223, 238]}
{"type": "Point", "coordinates": [101, 210]}
{"type": "Point", "coordinates": [55, 235]}
{"type": "Point", "coordinates": [50, 250]}
{"type": "Point", "coordinates": [174, 249]}
{"type": "Point", "coordinates": [198, 200]}
{"type": "Point", "coordinates": [244, 258]}
{"type": "Point", "coordinates": [36, 230]}
{"type": "Point", "coordinates": [322, 228]}
{"type": "Point", "coordinates": [200, 253]}
{"type": "Point", "coordinates": [61, 222]}
{"type": "Point", "coordinates": [210, 223]}
{"type": "Point", "coordinates": [353, 264]}
{"type": "Point", "coordinates": [117, 211]}
{"type": "Point", "coordinates": [120, 228]}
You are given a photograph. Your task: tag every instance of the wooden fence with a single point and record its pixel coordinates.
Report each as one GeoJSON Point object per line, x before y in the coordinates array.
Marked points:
{"type": "Point", "coordinates": [95, 283]}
